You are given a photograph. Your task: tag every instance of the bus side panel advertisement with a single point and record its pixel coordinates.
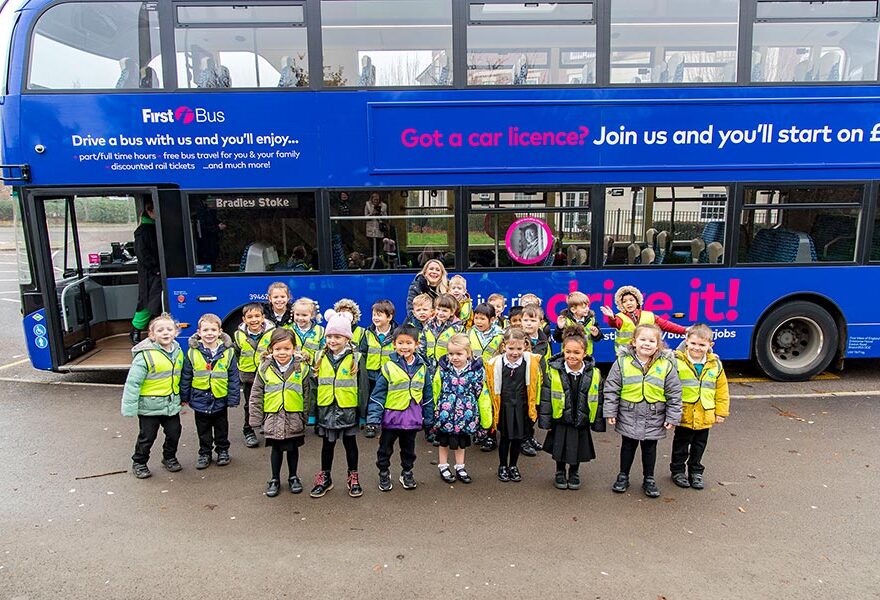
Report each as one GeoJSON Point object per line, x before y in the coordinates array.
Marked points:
{"type": "Point", "coordinates": [249, 140]}
{"type": "Point", "coordinates": [721, 300]}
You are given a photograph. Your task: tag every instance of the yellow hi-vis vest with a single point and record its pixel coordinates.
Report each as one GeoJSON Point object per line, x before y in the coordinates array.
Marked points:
{"type": "Point", "coordinates": [435, 345]}
{"type": "Point", "coordinates": [466, 311]}
{"type": "Point", "coordinates": [700, 387]}
{"type": "Point", "coordinates": [638, 385]}
{"type": "Point", "coordinates": [163, 373]}
{"type": "Point", "coordinates": [403, 389]}
{"type": "Point", "coordinates": [340, 384]}
{"type": "Point", "coordinates": [278, 392]}
{"type": "Point", "coordinates": [250, 349]}
{"type": "Point", "coordinates": [627, 328]}
{"type": "Point", "coordinates": [569, 322]}
{"type": "Point", "coordinates": [216, 377]}
{"type": "Point", "coordinates": [311, 343]}
{"type": "Point", "coordinates": [557, 393]}
{"type": "Point", "coordinates": [489, 350]}
{"type": "Point", "coordinates": [357, 334]}
{"type": "Point", "coordinates": [378, 353]}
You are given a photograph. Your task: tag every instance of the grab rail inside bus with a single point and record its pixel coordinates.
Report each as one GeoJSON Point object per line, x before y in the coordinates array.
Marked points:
{"type": "Point", "coordinates": [78, 282]}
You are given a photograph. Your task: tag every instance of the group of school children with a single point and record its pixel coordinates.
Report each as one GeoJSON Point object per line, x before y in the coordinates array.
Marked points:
{"type": "Point", "coordinates": [462, 374]}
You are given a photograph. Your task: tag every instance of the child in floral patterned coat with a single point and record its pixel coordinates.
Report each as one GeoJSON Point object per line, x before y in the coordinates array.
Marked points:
{"type": "Point", "coordinates": [460, 405]}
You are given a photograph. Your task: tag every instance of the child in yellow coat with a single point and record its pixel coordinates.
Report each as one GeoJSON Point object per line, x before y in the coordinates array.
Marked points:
{"type": "Point", "coordinates": [705, 401]}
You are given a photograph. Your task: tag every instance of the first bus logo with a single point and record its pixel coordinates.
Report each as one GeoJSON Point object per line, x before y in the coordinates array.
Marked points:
{"type": "Point", "coordinates": [182, 114]}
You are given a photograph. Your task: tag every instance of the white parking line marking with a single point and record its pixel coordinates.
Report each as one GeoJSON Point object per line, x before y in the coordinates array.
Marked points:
{"type": "Point", "coordinates": [79, 383]}
{"type": "Point", "coordinates": [11, 300]}
{"type": "Point", "coordinates": [12, 364]}
{"type": "Point", "coordinates": [831, 394]}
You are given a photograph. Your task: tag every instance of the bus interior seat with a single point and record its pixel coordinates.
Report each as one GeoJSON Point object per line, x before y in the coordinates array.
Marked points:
{"type": "Point", "coordinates": [607, 249]}
{"type": "Point", "coordinates": [443, 72]}
{"type": "Point", "coordinates": [803, 71]}
{"type": "Point", "coordinates": [660, 72]}
{"type": "Point", "coordinates": [757, 71]}
{"type": "Point", "coordinates": [835, 236]}
{"type": "Point", "coordinates": [149, 80]}
{"type": "Point", "coordinates": [675, 68]}
{"type": "Point", "coordinates": [368, 72]}
{"type": "Point", "coordinates": [588, 72]}
{"type": "Point", "coordinates": [128, 74]}
{"type": "Point", "coordinates": [212, 74]}
{"type": "Point", "coordinates": [780, 245]}
{"type": "Point", "coordinates": [582, 256]}
{"type": "Point", "coordinates": [648, 255]}
{"type": "Point", "coordinates": [728, 72]}
{"type": "Point", "coordinates": [258, 257]}
{"type": "Point", "coordinates": [632, 254]}
{"type": "Point", "coordinates": [571, 254]}
{"type": "Point", "coordinates": [650, 234]}
{"type": "Point", "coordinates": [714, 252]}
{"type": "Point", "coordinates": [662, 246]}
{"type": "Point", "coordinates": [829, 67]}
{"type": "Point", "coordinates": [697, 247]}
{"type": "Point", "coordinates": [290, 75]}
{"type": "Point", "coordinates": [520, 72]}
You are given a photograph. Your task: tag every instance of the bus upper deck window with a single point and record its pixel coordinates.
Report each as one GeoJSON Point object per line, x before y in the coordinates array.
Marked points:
{"type": "Point", "coordinates": [387, 43]}
{"type": "Point", "coordinates": [96, 46]}
{"type": "Point", "coordinates": [541, 43]}
{"type": "Point", "coordinates": [241, 46]}
{"type": "Point", "coordinates": [815, 42]}
{"type": "Point", "coordinates": [673, 42]}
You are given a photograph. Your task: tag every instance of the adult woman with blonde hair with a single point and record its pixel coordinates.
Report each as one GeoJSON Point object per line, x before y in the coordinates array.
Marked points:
{"type": "Point", "coordinates": [432, 280]}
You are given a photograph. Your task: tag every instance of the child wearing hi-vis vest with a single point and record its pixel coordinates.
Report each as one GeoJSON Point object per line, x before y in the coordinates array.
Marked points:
{"type": "Point", "coordinates": [377, 346]}
{"type": "Point", "coordinates": [705, 401]}
{"type": "Point", "coordinates": [629, 302]}
{"type": "Point", "coordinates": [251, 340]}
{"type": "Point", "coordinates": [460, 406]}
{"type": "Point", "coordinates": [152, 393]}
{"type": "Point", "coordinates": [642, 400]}
{"type": "Point", "coordinates": [485, 336]}
{"type": "Point", "coordinates": [277, 402]}
{"type": "Point", "coordinates": [570, 400]}
{"type": "Point", "coordinates": [401, 403]}
{"type": "Point", "coordinates": [210, 384]}
{"type": "Point", "coordinates": [340, 402]}
{"type": "Point", "coordinates": [578, 314]}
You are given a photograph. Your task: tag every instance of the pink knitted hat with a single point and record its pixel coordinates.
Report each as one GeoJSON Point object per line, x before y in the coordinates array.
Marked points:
{"type": "Point", "coordinates": [338, 323]}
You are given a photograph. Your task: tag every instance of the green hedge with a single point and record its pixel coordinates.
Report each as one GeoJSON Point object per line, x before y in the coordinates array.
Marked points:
{"type": "Point", "coordinates": [88, 210]}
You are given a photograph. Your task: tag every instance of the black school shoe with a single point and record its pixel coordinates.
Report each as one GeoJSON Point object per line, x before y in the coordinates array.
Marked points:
{"type": "Point", "coordinates": [681, 480]}
{"type": "Point", "coordinates": [273, 486]}
{"type": "Point", "coordinates": [250, 440]}
{"type": "Point", "coordinates": [323, 484]}
{"type": "Point", "coordinates": [446, 474]}
{"type": "Point", "coordinates": [222, 458]}
{"type": "Point", "coordinates": [141, 471]}
{"type": "Point", "coordinates": [574, 480]}
{"type": "Point", "coordinates": [526, 449]}
{"type": "Point", "coordinates": [296, 486]}
{"type": "Point", "coordinates": [171, 464]}
{"type": "Point", "coordinates": [561, 483]}
{"type": "Point", "coordinates": [463, 475]}
{"type": "Point", "coordinates": [535, 444]}
{"type": "Point", "coordinates": [503, 474]}
{"type": "Point", "coordinates": [649, 485]}
{"type": "Point", "coordinates": [370, 431]}
{"type": "Point", "coordinates": [621, 484]}
{"type": "Point", "coordinates": [354, 485]}
{"type": "Point", "coordinates": [203, 461]}
{"type": "Point", "coordinates": [514, 474]}
{"type": "Point", "coordinates": [488, 444]}
{"type": "Point", "coordinates": [696, 481]}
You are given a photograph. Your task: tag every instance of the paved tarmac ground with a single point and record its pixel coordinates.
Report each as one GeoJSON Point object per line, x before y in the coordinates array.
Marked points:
{"type": "Point", "coordinates": [790, 510]}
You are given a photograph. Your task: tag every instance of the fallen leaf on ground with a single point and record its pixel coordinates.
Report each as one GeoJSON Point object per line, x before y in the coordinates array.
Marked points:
{"type": "Point", "coordinates": [740, 509]}
{"type": "Point", "coordinates": [210, 506]}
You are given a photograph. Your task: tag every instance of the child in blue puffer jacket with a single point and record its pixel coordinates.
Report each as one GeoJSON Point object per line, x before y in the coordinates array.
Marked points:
{"type": "Point", "coordinates": [401, 403]}
{"type": "Point", "coordinates": [210, 384]}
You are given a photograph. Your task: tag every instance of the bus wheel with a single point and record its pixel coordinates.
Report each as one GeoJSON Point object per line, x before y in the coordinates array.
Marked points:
{"type": "Point", "coordinates": [796, 341]}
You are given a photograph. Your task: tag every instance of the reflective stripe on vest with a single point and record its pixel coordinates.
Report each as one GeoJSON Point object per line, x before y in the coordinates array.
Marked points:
{"type": "Point", "coordinates": [311, 343]}
{"type": "Point", "coordinates": [357, 335]}
{"type": "Point", "coordinates": [403, 389]}
{"type": "Point", "coordinates": [215, 377]}
{"type": "Point", "coordinates": [278, 392]}
{"type": "Point", "coordinates": [436, 346]}
{"type": "Point", "coordinates": [700, 388]}
{"type": "Point", "coordinates": [569, 322]}
{"type": "Point", "coordinates": [340, 384]}
{"type": "Point", "coordinates": [627, 327]}
{"type": "Point", "coordinates": [557, 394]}
{"type": "Point", "coordinates": [638, 385]}
{"type": "Point", "coordinates": [488, 351]}
{"type": "Point", "coordinates": [249, 349]}
{"type": "Point", "coordinates": [163, 375]}
{"type": "Point", "coordinates": [378, 353]}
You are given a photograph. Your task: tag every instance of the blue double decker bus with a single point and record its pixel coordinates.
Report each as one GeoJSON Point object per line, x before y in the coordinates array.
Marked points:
{"type": "Point", "coordinates": [721, 155]}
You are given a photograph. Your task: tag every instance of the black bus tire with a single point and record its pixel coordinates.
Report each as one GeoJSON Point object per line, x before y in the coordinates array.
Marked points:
{"type": "Point", "coordinates": [796, 341]}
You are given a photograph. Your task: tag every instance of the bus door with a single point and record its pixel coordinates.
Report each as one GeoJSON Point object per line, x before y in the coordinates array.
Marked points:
{"type": "Point", "coordinates": [87, 272]}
